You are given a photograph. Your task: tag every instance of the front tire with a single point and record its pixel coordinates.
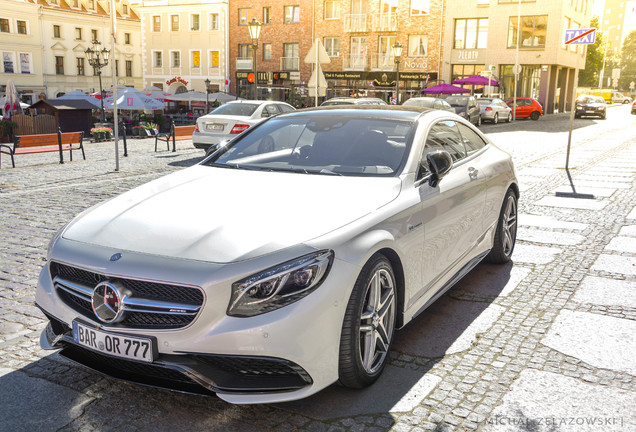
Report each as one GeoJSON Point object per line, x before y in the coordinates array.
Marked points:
{"type": "Point", "coordinates": [495, 120]}
{"type": "Point", "coordinates": [369, 324]}
{"type": "Point", "coordinates": [506, 231]}
{"type": "Point", "coordinates": [509, 117]}
{"type": "Point", "coordinates": [535, 115]}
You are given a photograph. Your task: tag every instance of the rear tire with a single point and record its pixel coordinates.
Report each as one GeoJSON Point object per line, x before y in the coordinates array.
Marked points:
{"type": "Point", "coordinates": [509, 117]}
{"type": "Point", "coordinates": [369, 324]}
{"type": "Point", "coordinates": [495, 120]}
{"type": "Point", "coordinates": [506, 231]}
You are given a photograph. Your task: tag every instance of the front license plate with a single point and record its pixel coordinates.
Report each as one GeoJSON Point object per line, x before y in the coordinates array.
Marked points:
{"type": "Point", "coordinates": [214, 127]}
{"type": "Point", "coordinates": [130, 347]}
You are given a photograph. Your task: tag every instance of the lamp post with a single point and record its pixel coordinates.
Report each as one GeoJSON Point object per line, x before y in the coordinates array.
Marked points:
{"type": "Point", "coordinates": [207, 92]}
{"type": "Point", "coordinates": [600, 76]}
{"type": "Point", "coordinates": [397, 52]}
{"type": "Point", "coordinates": [98, 59]}
{"type": "Point", "coordinates": [254, 28]}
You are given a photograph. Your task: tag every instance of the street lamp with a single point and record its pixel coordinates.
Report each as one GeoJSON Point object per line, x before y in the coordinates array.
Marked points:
{"type": "Point", "coordinates": [255, 31]}
{"type": "Point", "coordinates": [98, 59]}
{"type": "Point", "coordinates": [207, 92]}
{"type": "Point", "coordinates": [600, 76]}
{"type": "Point", "coordinates": [397, 52]}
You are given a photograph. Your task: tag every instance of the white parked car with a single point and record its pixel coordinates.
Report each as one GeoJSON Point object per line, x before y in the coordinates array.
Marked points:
{"type": "Point", "coordinates": [319, 232]}
{"type": "Point", "coordinates": [230, 119]}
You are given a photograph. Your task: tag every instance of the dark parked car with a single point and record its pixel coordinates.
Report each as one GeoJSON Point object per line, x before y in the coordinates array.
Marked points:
{"type": "Point", "coordinates": [429, 102]}
{"type": "Point", "coordinates": [590, 106]}
{"type": "Point", "coordinates": [466, 107]}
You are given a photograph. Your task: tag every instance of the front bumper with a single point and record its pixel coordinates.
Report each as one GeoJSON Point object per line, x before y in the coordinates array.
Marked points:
{"type": "Point", "coordinates": [283, 355]}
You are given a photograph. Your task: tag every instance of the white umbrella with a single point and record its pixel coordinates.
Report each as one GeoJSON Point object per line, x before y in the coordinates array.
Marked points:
{"type": "Point", "coordinates": [80, 95]}
{"type": "Point", "coordinates": [133, 100]}
{"type": "Point", "coordinates": [191, 96]}
{"type": "Point", "coordinates": [11, 103]}
{"type": "Point", "coordinates": [222, 97]}
{"type": "Point", "coordinates": [155, 93]}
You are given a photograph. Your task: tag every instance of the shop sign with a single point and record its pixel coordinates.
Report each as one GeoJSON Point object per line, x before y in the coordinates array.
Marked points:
{"type": "Point", "coordinates": [415, 64]}
{"type": "Point", "coordinates": [176, 79]}
{"type": "Point", "coordinates": [377, 76]}
{"type": "Point", "coordinates": [384, 81]}
{"type": "Point", "coordinates": [468, 55]}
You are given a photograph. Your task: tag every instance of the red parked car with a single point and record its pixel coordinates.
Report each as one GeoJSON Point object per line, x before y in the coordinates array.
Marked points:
{"type": "Point", "coordinates": [526, 107]}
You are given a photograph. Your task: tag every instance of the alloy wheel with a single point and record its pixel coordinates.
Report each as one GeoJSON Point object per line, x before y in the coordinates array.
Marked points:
{"type": "Point", "coordinates": [509, 225]}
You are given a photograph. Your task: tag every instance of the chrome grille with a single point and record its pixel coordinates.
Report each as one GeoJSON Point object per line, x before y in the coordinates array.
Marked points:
{"type": "Point", "coordinates": [150, 305]}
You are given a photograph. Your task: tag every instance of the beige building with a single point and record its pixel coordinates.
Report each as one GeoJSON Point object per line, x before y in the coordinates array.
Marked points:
{"type": "Point", "coordinates": [184, 43]}
{"type": "Point", "coordinates": [617, 21]}
{"type": "Point", "coordinates": [484, 35]}
{"type": "Point", "coordinates": [45, 43]}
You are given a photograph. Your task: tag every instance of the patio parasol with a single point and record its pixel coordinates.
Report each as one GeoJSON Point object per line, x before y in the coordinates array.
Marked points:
{"type": "Point", "coordinates": [133, 100]}
{"type": "Point", "coordinates": [444, 89]}
{"type": "Point", "coordinates": [476, 80]}
{"type": "Point", "coordinates": [11, 104]}
{"type": "Point", "coordinates": [223, 97]}
{"type": "Point", "coordinates": [79, 95]}
{"type": "Point", "coordinates": [191, 96]}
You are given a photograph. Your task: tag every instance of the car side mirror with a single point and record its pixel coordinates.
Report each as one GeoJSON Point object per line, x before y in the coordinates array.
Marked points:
{"type": "Point", "coordinates": [440, 163]}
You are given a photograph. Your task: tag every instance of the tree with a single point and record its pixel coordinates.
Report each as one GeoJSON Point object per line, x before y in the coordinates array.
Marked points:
{"type": "Point", "coordinates": [628, 62]}
{"type": "Point", "coordinates": [588, 77]}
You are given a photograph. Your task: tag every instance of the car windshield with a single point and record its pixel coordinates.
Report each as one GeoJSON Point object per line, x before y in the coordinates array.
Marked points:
{"type": "Point", "coordinates": [456, 101]}
{"type": "Point", "coordinates": [484, 101]}
{"type": "Point", "coordinates": [325, 143]}
{"type": "Point", "coordinates": [237, 109]}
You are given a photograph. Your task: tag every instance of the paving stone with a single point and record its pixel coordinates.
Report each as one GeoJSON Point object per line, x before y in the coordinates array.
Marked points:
{"type": "Point", "coordinates": [447, 327]}
{"type": "Point", "coordinates": [587, 182]}
{"type": "Point", "coordinates": [632, 214]}
{"type": "Point", "coordinates": [544, 402]}
{"type": "Point", "coordinates": [604, 291]}
{"type": "Point", "coordinates": [572, 203]}
{"type": "Point", "coordinates": [549, 237]}
{"type": "Point", "coordinates": [622, 244]}
{"type": "Point", "coordinates": [599, 340]}
{"type": "Point", "coordinates": [535, 254]}
{"type": "Point", "coordinates": [628, 231]}
{"type": "Point", "coordinates": [615, 264]}
{"type": "Point", "coordinates": [544, 221]}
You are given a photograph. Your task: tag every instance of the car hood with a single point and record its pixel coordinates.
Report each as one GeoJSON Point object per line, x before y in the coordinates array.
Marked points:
{"type": "Point", "coordinates": [225, 215]}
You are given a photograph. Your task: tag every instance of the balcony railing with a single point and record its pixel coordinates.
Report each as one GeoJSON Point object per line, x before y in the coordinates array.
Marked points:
{"type": "Point", "coordinates": [385, 22]}
{"type": "Point", "coordinates": [290, 63]}
{"type": "Point", "coordinates": [355, 62]}
{"type": "Point", "coordinates": [383, 62]}
{"type": "Point", "coordinates": [356, 23]}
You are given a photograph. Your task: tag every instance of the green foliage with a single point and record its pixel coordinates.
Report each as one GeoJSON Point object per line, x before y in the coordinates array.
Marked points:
{"type": "Point", "coordinates": [588, 77]}
{"type": "Point", "coordinates": [628, 62]}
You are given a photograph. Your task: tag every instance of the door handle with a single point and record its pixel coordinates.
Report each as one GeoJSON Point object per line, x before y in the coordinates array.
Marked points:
{"type": "Point", "coordinates": [473, 173]}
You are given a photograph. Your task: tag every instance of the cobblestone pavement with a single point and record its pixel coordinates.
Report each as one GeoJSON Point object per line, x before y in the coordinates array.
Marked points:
{"type": "Point", "coordinates": [544, 344]}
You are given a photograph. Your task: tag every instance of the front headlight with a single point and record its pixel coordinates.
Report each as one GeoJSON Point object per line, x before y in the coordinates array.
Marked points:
{"type": "Point", "coordinates": [280, 285]}
{"type": "Point", "coordinates": [55, 238]}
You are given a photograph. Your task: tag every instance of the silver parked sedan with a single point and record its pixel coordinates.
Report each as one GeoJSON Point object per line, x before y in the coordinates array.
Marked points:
{"type": "Point", "coordinates": [232, 118]}
{"type": "Point", "coordinates": [494, 110]}
{"type": "Point", "coordinates": [332, 228]}
{"type": "Point", "coordinates": [429, 102]}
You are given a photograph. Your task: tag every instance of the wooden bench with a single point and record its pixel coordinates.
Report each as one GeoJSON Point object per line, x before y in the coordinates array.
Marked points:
{"type": "Point", "coordinates": [176, 133]}
{"type": "Point", "coordinates": [59, 142]}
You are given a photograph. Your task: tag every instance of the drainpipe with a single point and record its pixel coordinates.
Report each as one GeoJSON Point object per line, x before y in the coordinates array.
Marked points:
{"type": "Point", "coordinates": [42, 56]}
{"type": "Point", "coordinates": [441, 32]}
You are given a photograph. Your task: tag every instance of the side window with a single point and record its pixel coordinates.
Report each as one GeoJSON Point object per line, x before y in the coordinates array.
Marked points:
{"type": "Point", "coordinates": [443, 135]}
{"type": "Point", "coordinates": [284, 108]}
{"type": "Point", "coordinates": [269, 110]}
{"type": "Point", "coordinates": [472, 141]}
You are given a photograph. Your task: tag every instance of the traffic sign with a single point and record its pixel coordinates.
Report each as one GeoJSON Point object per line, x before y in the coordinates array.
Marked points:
{"type": "Point", "coordinates": [580, 36]}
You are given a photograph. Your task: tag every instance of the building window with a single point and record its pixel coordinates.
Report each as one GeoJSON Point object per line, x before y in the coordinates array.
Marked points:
{"type": "Point", "coordinates": [157, 59]}
{"type": "Point", "coordinates": [418, 45]}
{"type": "Point", "coordinates": [94, 35]}
{"type": "Point", "coordinates": [174, 23]}
{"type": "Point", "coordinates": [464, 71]}
{"type": "Point", "coordinates": [91, 4]}
{"type": "Point", "coordinates": [81, 70]}
{"type": "Point", "coordinates": [332, 46]}
{"type": "Point", "coordinates": [75, 4]}
{"type": "Point", "coordinates": [214, 21]}
{"type": "Point", "coordinates": [78, 33]}
{"type": "Point", "coordinates": [22, 27]}
{"type": "Point", "coordinates": [215, 59]}
{"type": "Point", "coordinates": [196, 22]}
{"type": "Point", "coordinates": [56, 31]}
{"type": "Point", "coordinates": [116, 68]}
{"type": "Point", "coordinates": [127, 38]}
{"type": "Point", "coordinates": [292, 14]}
{"type": "Point", "coordinates": [124, 9]}
{"type": "Point", "coordinates": [175, 59]}
{"type": "Point", "coordinates": [471, 33]}
{"type": "Point", "coordinates": [245, 51]}
{"type": "Point", "coordinates": [128, 68]}
{"type": "Point", "coordinates": [532, 32]}
{"type": "Point", "coordinates": [267, 15]}
{"type": "Point", "coordinates": [8, 62]}
{"type": "Point", "coordinates": [4, 25]}
{"type": "Point", "coordinates": [290, 60]}
{"type": "Point", "coordinates": [59, 65]}
{"type": "Point", "coordinates": [385, 52]}
{"type": "Point", "coordinates": [196, 59]}
{"type": "Point", "coordinates": [243, 16]}
{"type": "Point", "coordinates": [420, 7]}
{"type": "Point", "coordinates": [332, 9]}
{"type": "Point", "coordinates": [25, 63]}
{"type": "Point", "coordinates": [156, 23]}
{"type": "Point", "coordinates": [267, 51]}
